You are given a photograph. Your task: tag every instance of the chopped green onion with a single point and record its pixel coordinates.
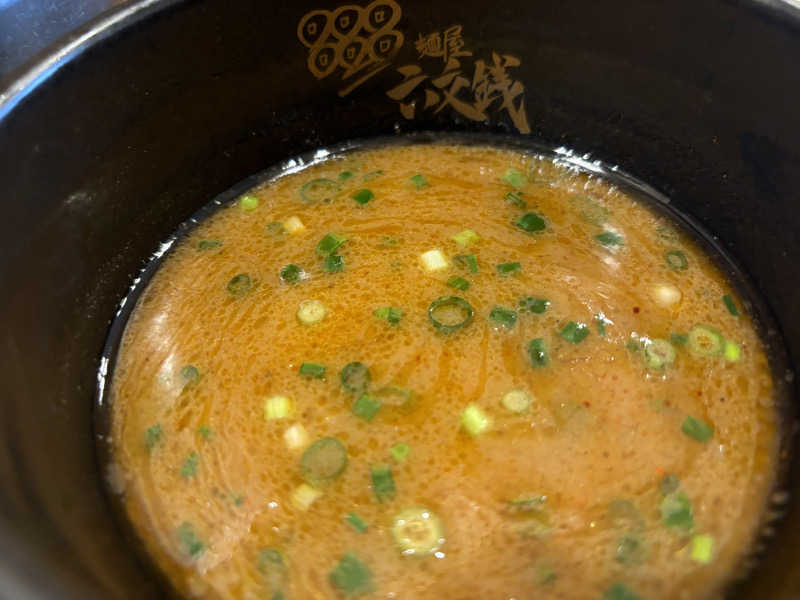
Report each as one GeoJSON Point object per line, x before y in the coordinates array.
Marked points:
{"type": "Point", "coordinates": [592, 211]}
{"type": "Point", "coordinates": [676, 511]}
{"type": "Point", "coordinates": [388, 241]}
{"type": "Point", "coordinates": [372, 175]}
{"type": "Point", "coordinates": [391, 314]}
{"type": "Point", "coordinates": [702, 548]}
{"type": "Point", "coordinates": [732, 351]}
{"type": "Point", "coordinates": [669, 483]}
{"type": "Point", "coordinates": [313, 370]}
{"type": "Point", "coordinates": [345, 175]}
{"type": "Point", "coordinates": [291, 274]}
{"type": "Point", "coordinates": [450, 313]}
{"type": "Point", "coordinates": [546, 574]}
{"type": "Point", "coordinates": [534, 305]}
{"type": "Point", "coordinates": [248, 202]}
{"type": "Point", "coordinates": [515, 179]}
{"type": "Point", "coordinates": [697, 430]}
{"type": "Point", "coordinates": [278, 407]}
{"type": "Point", "coordinates": [330, 243]}
{"type": "Point", "coordinates": [458, 283]}
{"type": "Point", "coordinates": [205, 432]}
{"type": "Point", "coordinates": [351, 576]}
{"type": "Point", "coordinates": [705, 341]}
{"type": "Point", "coordinates": [190, 374]}
{"type": "Point", "coordinates": [474, 420]}
{"type": "Point", "coordinates": [601, 321]}
{"type": "Point", "coordinates": [357, 523]}
{"type": "Point", "coordinates": [515, 198]}
{"type": "Point", "coordinates": [319, 190]}
{"type": "Point", "coordinates": [467, 261]}
{"type": "Point", "coordinates": [417, 531]}
{"type": "Point", "coordinates": [531, 223]}
{"type": "Point", "coordinates": [303, 496]}
{"type": "Point", "coordinates": [189, 467]}
{"type": "Point", "coordinates": [366, 407]}
{"type": "Point", "coordinates": [363, 196]}
{"type": "Point", "coordinates": [382, 482]}
{"type": "Point", "coordinates": [209, 244]}
{"type": "Point", "coordinates": [676, 260]}
{"type": "Point", "coordinates": [311, 311]}
{"type": "Point", "coordinates": [517, 401]}
{"type": "Point", "coordinates": [503, 316]}
{"type": "Point", "coordinates": [355, 377]}
{"type": "Point", "coordinates": [270, 559]}
{"type": "Point", "coordinates": [574, 332]}
{"type": "Point", "coordinates": [239, 285]}
{"type": "Point", "coordinates": [678, 339]}
{"type": "Point", "coordinates": [658, 354]}
{"type": "Point", "coordinates": [727, 299]}
{"type": "Point", "coordinates": [419, 181]}
{"type": "Point", "coordinates": [609, 239]}
{"type": "Point", "coordinates": [509, 268]}
{"type": "Point", "coordinates": [619, 591]}
{"type": "Point", "coordinates": [400, 452]}
{"type": "Point", "coordinates": [153, 436]}
{"type": "Point", "coordinates": [189, 540]}
{"type": "Point", "coordinates": [537, 350]}
{"type": "Point", "coordinates": [667, 233]}
{"type": "Point", "coordinates": [323, 460]}
{"type": "Point", "coordinates": [466, 238]}
{"type": "Point", "coordinates": [275, 229]}
{"type": "Point", "coordinates": [333, 263]}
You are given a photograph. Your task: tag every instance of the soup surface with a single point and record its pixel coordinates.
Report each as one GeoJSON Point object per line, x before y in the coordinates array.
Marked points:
{"type": "Point", "coordinates": [442, 371]}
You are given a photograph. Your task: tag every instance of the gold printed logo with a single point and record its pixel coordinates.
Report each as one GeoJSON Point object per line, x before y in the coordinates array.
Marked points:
{"type": "Point", "coordinates": [361, 42]}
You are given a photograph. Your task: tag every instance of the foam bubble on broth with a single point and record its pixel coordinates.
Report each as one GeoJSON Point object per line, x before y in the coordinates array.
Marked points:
{"type": "Point", "coordinates": [209, 481]}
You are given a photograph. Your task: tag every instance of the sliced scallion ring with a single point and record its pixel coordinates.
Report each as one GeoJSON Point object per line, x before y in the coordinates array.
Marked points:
{"type": "Point", "coordinates": [450, 313]}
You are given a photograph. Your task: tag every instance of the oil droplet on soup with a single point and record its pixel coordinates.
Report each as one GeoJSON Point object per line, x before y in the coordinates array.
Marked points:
{"type": "Point", "coordinates": [442, 372]}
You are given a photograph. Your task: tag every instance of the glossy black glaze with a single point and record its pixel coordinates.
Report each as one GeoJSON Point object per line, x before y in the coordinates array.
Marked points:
{"type": "Point", "coordinates": [135, 130]}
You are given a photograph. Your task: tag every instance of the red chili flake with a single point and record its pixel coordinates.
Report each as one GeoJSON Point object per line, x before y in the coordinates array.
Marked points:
{"type": "Point", "coordinates": [636, 310]}
{"type": "Point", "coordinates": [666, 403]}
{"type": "Point", "coordinates": [586, 404]}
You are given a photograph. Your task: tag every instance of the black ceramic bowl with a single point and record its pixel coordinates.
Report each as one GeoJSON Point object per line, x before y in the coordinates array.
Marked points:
{"type": "Point", "coordinates": [125, 130]}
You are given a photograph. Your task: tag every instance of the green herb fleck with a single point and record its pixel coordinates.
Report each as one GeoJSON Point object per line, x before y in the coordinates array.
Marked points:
{"type": "Point", "coordinates": [515, 198]}
{"type": "Point", "coordinates": [190, 374]}
{"type": "Point", "coordinates": [330, 243]}
{"type": "Point", "coordinates": [209, 244]}
{"type": "Point", "coordinates": [190, 543]}
{"type": "Point", "coordinates": [268, 559]}
{"type": "Point", "coordinates": [531, 223]}
{"type": "Point", "coordinates": [697, 430]}
{"type": "Point", "coordinates": [188, 469]}
{"type": "Point", "coordinates": [333, 263]}
{"type": "Point", "coordinates": [275, 229]}
{"type": "Point", "coordinates": [467, 261]}
{"type": "Point", "coordinates": [601, 321]}
{"type": "Point", "coordinates": [313, 370]}
{"type": "Point", "coordinates": [545, 574]}
{"type": "Point", "coordinates": [534, 305]}
{"type": "Point", "coordinates": [458, 283]}
{"type": "Point", "coordinates": [372, 175]}
{"type": "Point", "coordinates": [153, 436]}
{"type": "Point", "coordinates": [205, 432]}
{"type": "Point", "coordinates": [515, 179]}
{"type": "Point", "coordinates": [390, 314]}
{"type": "Point", "coordinates": [619, 591]}
{"type": "Point", "coordinates": [466, 238]}
{"type": "Point", "coordinates": [676, 260]}
{"type": "Point", "coordinates": [678, 339]}
{"type": "Point", "coordinates": [382, 482]}
{"type": "Point", "coordinates": [537, 350]}
{"type": "Point", "coordinates": [730, 305]}
{"type": "Point", "coordinates": [351, 576]}
{"type": "Point", "coordinates": [363, 196]}
{"type": "Point", "coordinates": [419, 181]}
{"type": "Point", "coordinates": [630, 549]}
{"type": "Point", "coordinates": [574, 332]}
{"type": "Point", "coordinates": [503, 316]}
{"type": "Point", "coordinates": [357, 523]}
{"type": "Point", "coordinates": [400, 452]}
{"type": "Point", "coordinates": [345, 175]}
{"type": "Point", "coordinates": [291, 274]}
{"type": "Point", "coordinates": [676, 511]}
{"type": "Point", "coordinates": [509, 268]}
{"type": "Point", "coordinates": [366, 407]}
{"type": "Point", "coordinates": [610, 239]}
{"type": "Point", "coordinates": [355, 377]}
{"type": "Point", "coordinates": [248, 203]}
{"type": "Point", "coordinates": [239, 285]}
{"type": "Point", "coordinates": [669, 484]}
